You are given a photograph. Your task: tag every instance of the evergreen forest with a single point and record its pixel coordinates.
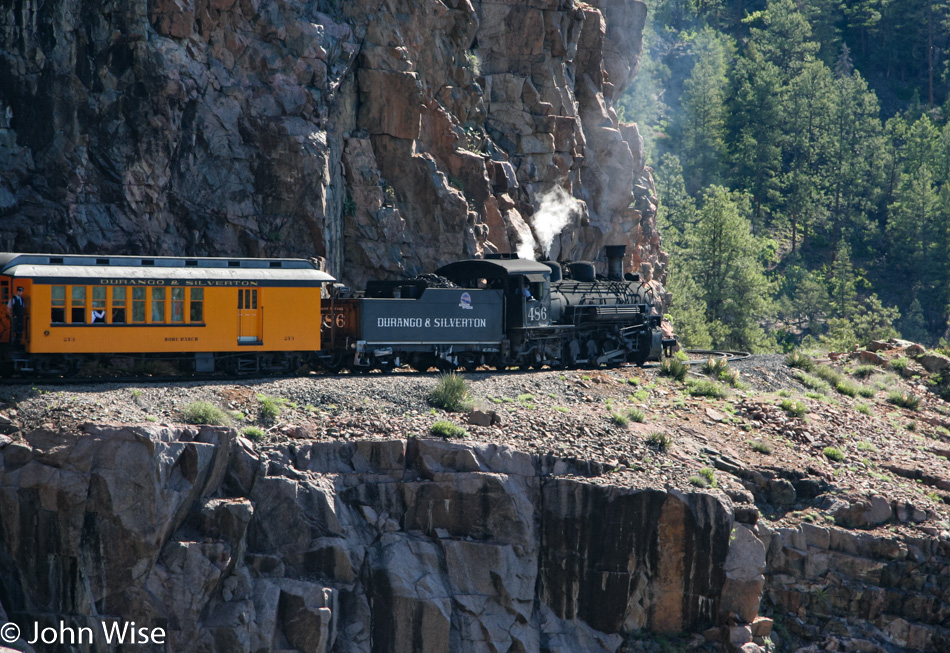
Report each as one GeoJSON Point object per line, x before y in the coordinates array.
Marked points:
{"type": "Point", "coordinates": [801, 152]}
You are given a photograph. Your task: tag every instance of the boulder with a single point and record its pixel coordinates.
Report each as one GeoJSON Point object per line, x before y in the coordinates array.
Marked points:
{"type": "Point", "coordinates": [934, 363]}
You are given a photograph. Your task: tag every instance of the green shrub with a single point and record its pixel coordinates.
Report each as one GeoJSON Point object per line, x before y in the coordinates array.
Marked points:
{"type": "Point", "coordinates": [718, 368]}
{"type": "Point", "coordinates": [661, 440]}
{"type": "Point", "coordinates": [812, 382]}
{"type": "Point", "coordinates": [619, 420]}
{"type": "Point", "coordinates": [705, 388]}
{"type": "Point", "coordinates": [800, 360]}
{"type": "Point", "coordinates": [904, 400]}
{"type": "Point", "coordinates": [204, 412]}
{"type": "Point", "coordinates": [253, 433]}
{"type": "Point", "coordinates": [864, 371]}
{"type": "Point", "coordinates": [832, 453]}
{"type": "Point", "coordinates": [866, 446]}
{"type": "Point", "coordinates": [636, 415]}
{"type": "Point", "coordinates": [270, 407]}
{"type": "Point", "coordinates": [864, 409]}
{"type": "Point", "coordinates": [761, 446]}
{"type": "Point", "coordinates": [447, 429]}
{"type": "Point", "coordinates": [675, 368]}
{"type": "Point", "coordinates": [866, 391]}
{"type": "Point", "coordinates": [793, 408]}
{"type": "Point", "coordinates": [900, 364]}
{"type": "Point", "coordinates": [698, 481]}
{"type": "Point", "coordinates": [708, 474]}
{"type": "Point", "coordinates": [829, 375]}
{"type": "Point", "coordinates": [846, 388]}
{"type": "Point", "coordinates": [451, 393]}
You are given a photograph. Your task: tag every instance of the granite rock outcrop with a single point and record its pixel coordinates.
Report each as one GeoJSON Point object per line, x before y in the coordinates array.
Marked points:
{"type": "Point", "coordinates": [387, 137]}
{"type": "Point", "coordinates": [366, 546]}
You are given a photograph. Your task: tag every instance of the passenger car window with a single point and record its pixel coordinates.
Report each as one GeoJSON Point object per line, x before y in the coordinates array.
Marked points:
{"type": "Point", "coordinates": [158, 305]}
{"type": "Point", "coordinates": [78, 313]}
{"type": "Point", "coordinates": [58, 305]}
{"type": "Point", "coordinates": [138, 304]}
{"type": "Point", "coordinates": [118, 305]}
{"type": "Point", "coordinates": [197, 304]}
{"type": "Point", "coordinates": [98, 305]}
{"type": "Point", "coordinates": [178, 304]}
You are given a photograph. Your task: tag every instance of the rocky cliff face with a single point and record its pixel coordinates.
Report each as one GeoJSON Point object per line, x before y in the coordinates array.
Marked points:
{"type": "Point", "coordinates": [367, 546]}
{"type": "Point", "coordinates": [388, 136]}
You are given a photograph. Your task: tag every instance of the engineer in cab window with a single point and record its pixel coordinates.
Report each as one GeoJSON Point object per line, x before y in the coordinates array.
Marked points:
{"type": "Point", "coordinates": [17, 310]}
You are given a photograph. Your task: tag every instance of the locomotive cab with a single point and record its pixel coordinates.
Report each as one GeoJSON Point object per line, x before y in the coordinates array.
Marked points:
{"type": "Point", "coordinates": [526, 286]}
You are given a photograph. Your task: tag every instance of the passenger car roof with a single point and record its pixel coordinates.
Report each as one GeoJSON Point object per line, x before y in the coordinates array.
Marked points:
{"type": "Point", "coordinates": [53, 268]}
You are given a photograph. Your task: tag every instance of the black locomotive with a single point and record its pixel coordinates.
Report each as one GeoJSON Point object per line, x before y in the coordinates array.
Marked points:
{"type": "Point", "coordinates": [500, 311]}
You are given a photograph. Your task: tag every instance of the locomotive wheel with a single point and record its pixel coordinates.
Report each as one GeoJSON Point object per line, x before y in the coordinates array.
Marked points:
{"type": "Point", "coordinates": [334, 363]}
{"type": "Point", "coordinates": [421, 362]}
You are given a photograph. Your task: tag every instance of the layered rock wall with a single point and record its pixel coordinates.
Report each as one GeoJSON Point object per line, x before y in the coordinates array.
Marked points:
{"type": "Point", "coordinates": [415, 545]}
{"type": "Point", "coordinates": [859, 588]}
{"type": "Point", "coordinates": [387, 136]}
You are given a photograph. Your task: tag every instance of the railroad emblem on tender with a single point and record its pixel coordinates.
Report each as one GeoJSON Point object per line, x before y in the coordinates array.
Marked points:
{"type": "Point", "coordinates": [465, 301]}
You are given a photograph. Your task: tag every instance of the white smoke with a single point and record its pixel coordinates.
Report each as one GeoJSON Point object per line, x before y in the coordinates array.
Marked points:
{"type": "Point", "coordinates": [556, 210]}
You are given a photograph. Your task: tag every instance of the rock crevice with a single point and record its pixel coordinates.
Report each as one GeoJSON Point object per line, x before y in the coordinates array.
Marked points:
{"type": "Point", "coordinates": [366, 546]}
{"type": "Point", "coordinates": [387, 137]}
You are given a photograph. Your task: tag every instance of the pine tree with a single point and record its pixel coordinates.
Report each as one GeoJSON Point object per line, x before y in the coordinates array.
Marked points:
{"type": "Point", "coordinates": [912, 226]}
{"type": "Point", "coordinates": [754, 125]}
{"type": "Point", "coordinates": [808, 149]}
{"type": "Point", "coordinates": [914, 325]}
{"type": "Point", "coordinates": [676, 210]}
{"type": "Point", "coordinates": [854, 320]}
{"type": "Point", "coordinates": [703, 128]}
{"type": "Point", "coordinates": [783, 35]}
{"type": "Point", "coordinates": [856, 151]}
{"type": "Point", "coordinates": [724, 262]}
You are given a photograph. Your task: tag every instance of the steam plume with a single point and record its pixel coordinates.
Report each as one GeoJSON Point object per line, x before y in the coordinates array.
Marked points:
{"type": "Point", "coordinates": [556, 209]}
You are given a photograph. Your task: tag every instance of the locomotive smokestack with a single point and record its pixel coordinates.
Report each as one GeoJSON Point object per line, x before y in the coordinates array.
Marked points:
{"type": "Point", "coordinates": [615, 261]}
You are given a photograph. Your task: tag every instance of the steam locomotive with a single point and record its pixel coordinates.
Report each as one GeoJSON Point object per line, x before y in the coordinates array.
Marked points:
{"type": "Point", "coordinates": [498, 311]}
{"type": "Point", "coordinates": [245, 316]}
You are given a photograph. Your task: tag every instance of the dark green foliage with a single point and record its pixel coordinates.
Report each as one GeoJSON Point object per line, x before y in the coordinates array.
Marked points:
{"type": "Point", "coordinates": [270, 407]}
{"type": "Point", "coordinates": [904, 400]}
{"type": "Point", "coordinates": [451, 393]}
{"type": "Point", "coordinates": [844, 198]}
{"type": "Point", "coordinates": [675, 368]}
{"type": "Point", "coordinates": [705, 388]}
{"type": "Point", "coordinates": [761, 446]}
{"type": "Point", "coordinates": [800, 360]}
{"type": "Point", "coordinates": [446, 429]}
{"type": "Point", "coordinates": [204, 412]}
{"type": "Point", "coordinates": [661, 440]}
{"type": "Point", "coordinates": [793, 408]}
{"type": "Point", "coordinates": [833, 453]}
{"type": "Point", "coordinates": [723, 259]}
{"type": "Point", "coordinates": [812, 382]}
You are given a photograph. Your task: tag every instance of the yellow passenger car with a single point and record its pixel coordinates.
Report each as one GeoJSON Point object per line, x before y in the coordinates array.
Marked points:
{"type": "Point", "coordinates": [236, 314]}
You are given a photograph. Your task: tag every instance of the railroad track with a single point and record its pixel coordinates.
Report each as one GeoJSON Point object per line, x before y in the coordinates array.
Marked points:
{"type": "Point", "coordinates": [696, 357]}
